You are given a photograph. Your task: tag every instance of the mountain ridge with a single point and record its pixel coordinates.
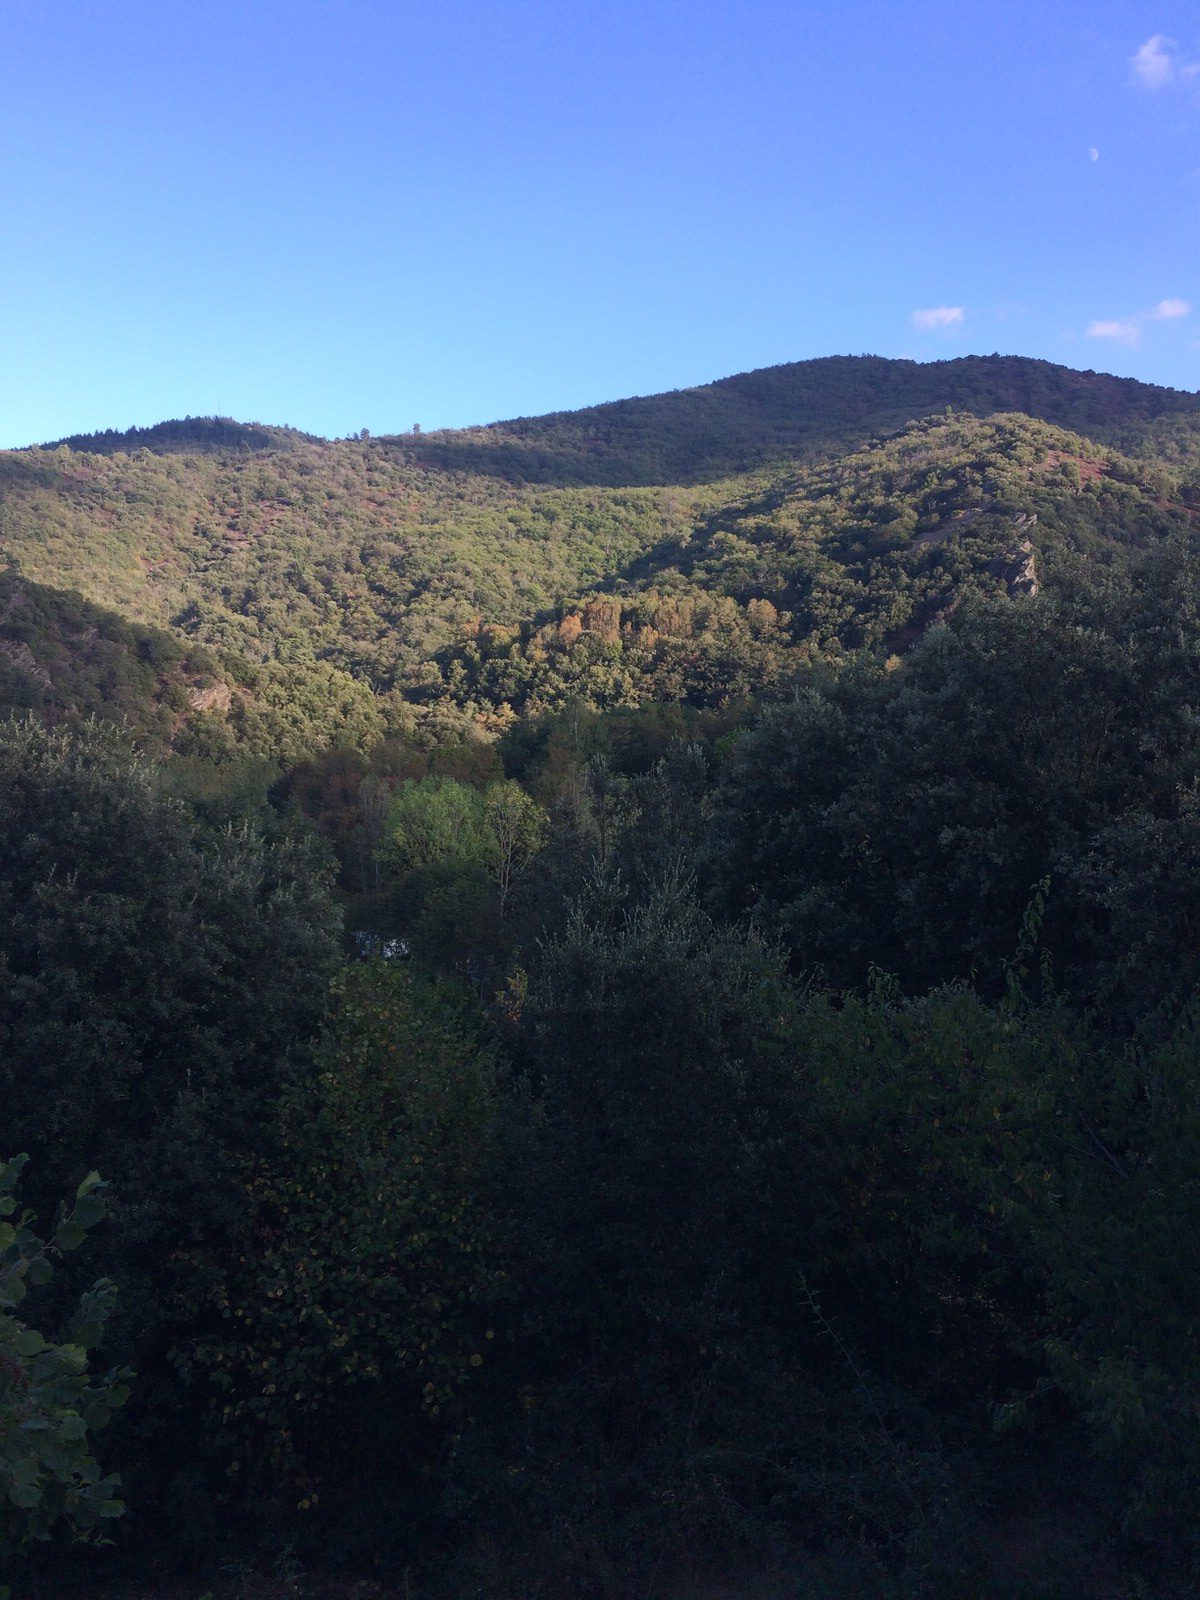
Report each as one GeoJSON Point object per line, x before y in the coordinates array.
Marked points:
{"type": "Point", "coordinates": [180, 434]}
{"type": "Point", "coordinates": [697, 545]}
{"type": "Point", "coordinates": [755, 418]}
{"type": "Point", "coordinates": [816, 397]}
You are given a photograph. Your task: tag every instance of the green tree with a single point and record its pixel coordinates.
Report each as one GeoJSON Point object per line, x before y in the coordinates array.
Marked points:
{"type": "Point", "coordinates": [160, 981]}
{"type": "Point", "coordinates": [153, 973]}
{"type": "Point", "coordinates": [436, 822]}
{"type": "Point", "coordinates": [51, 1401]}
{"type": "Point", "coordinates": [336, 1337]}
{"type": "Point", "coordinates": [1020, 1193]}
{"type": "Point", "coordinates": [516, 825]}
{"type": "Point", "coordinates": [458, 854]}
{"type": "Point", "coordinates": [901, 818]}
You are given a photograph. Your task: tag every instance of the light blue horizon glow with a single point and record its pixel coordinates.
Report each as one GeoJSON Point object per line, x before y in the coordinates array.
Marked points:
{"type": "Point", "coordinates": [359, 214]}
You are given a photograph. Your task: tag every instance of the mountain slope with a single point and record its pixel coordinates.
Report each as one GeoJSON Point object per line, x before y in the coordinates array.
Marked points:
{"type": "Point", "coordinates": [594, 554]}
{"type": "Point", "coordinates": [862, 551]}
{"type": "Point", "coordinates": [189, 436]}
{"type": "Point", "coordinates": [62, 659]}
{"type": "Point", "coordinates": [801, 410]}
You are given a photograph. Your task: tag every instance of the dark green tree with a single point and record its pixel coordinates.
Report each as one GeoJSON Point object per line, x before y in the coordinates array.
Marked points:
{"type": "Point", "coordinates": [51, 1400]}
{"type": "Point", "coordinates": [902, 818]}
{"type": "Point", "coordinates": [160, 983]}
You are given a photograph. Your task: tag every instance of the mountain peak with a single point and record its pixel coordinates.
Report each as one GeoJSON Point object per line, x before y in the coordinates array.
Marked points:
{"type": "Point", "coordinates": [187, 436]}
{"type": "Point", "coordinates": [798, 410]}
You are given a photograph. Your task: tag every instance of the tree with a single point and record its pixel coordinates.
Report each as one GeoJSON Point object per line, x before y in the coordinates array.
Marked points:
{"type": "Point", "coordinates": [516, 825]}
{"type": "Point", "coordinates": [156, 976]}
{"type": "Point", "coordinates": [458, 853]}
{"type": "Point", "coordinates": [901, 819]}
{"type": "Point", "coordinates": [436, 822]}
{"type": "Point", "coordinates": [160, 982]}
{"type": "Point", "coordinates": [51, 1402]}
{"type": "Point", "coordinates": [1024, 1196]}
{"type": "Point", "coordinates": [334, 1335]}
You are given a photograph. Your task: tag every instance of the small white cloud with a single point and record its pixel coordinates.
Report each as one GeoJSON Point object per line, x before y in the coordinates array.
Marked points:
{"type": "Point", "coordinates": [1127, 332]}
{"type": "Point", "coordinates": [1093, 154]}
{"type": "Point", "coordinates": [1155, 64]}
{"type": "Point", "coordinates": [937, 317]}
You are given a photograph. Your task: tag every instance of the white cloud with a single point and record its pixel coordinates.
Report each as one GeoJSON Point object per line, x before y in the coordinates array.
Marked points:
{"type": "Point", "coordinates": [1158, 63]}
{"type": "Point", "coordinates": [937, 317]}
{"type": "Point", "coordinates": [1127, 332]}
{"type": "Point", "coordinates": [1155, 63]}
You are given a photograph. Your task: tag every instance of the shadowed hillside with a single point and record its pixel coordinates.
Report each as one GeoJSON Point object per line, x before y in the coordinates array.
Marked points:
{"type": "Point", "coordinates": [62, 659]}
{"type": "Point", "coordinates": [800, 409]}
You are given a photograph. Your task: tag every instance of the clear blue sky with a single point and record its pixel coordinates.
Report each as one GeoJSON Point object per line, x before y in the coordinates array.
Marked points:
{"type": "Point", "coordinates": [353, 214]}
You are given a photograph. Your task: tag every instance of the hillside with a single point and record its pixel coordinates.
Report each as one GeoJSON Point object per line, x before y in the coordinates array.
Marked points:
{"type": "Point", "coordinates": [697, 545]}
{"type": "Point", "coordinates": [189, 435]}
{"type": "Point", "coordinates": [63, 659]}
{"type": "Point", "coordinates": [662, 1016]}
{"type": "Point", "coordinates": [806, 408]}
{"type": "Point", "coordinates": [775, 414]}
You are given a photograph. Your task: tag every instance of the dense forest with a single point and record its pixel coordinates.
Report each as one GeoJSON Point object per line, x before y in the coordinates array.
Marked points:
{"type": "Point", "coordinates": [607, 1005]}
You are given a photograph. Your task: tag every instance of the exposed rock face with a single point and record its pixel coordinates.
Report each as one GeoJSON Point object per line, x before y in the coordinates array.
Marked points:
{"type": "Point", "coordinates": [956, 522]}
{"type": "Point", "coordinates": [1017, 569]}
{"type": "Point", "coordinates": [218, 698]}
{"type": "Point", "coordinates": [23, 658]}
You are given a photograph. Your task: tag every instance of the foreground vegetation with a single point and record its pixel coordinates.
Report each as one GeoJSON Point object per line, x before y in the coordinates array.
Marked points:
{"type": "Point", "coordinates": [695, 1073]}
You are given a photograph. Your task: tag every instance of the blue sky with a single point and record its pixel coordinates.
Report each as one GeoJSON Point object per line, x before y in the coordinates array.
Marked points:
{"type": "Point", "coordinates": [351, 214]}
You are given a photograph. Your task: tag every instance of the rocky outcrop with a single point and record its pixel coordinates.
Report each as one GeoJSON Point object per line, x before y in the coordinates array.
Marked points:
{"type": "Point", "coordinates": [218, 697]}
{"type": "Point", "coordinates": [23, 658]}
{"type": "Point", "coordinates": [1017, 568]}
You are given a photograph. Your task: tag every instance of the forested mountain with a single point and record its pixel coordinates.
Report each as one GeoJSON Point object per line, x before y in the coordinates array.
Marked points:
{"type": "Point", "coordinates": [191, 436]}
{"type": "Point", "coordinates": [631, 980]}
{"type": "Point", "coordinates": [64, 659]}
{"type": "Point", "coordinates": [757, 418]}
{"type": "Point", "coordinates": [805, 409]}
{"type": "Point", "coordinates": [695, 546]}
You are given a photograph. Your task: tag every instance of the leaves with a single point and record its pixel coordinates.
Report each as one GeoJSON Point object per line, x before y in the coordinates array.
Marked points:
{"type": "Point", "coordinates": [373, 1260]}
{"type": "Point", "coordinates": [50, 1401]}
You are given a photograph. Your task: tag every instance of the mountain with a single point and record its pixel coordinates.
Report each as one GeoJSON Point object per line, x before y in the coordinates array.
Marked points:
{"type": "Point", "coordinates": [699, 545]}
{"type": "Point", "coordinates": [801, 410]}
{"type": "Point", "coordinates": [63, 659]}
{"type": "Point", "coordinates": [775, 808]}
{"type": "Point", "coordinates": [190, 436]}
